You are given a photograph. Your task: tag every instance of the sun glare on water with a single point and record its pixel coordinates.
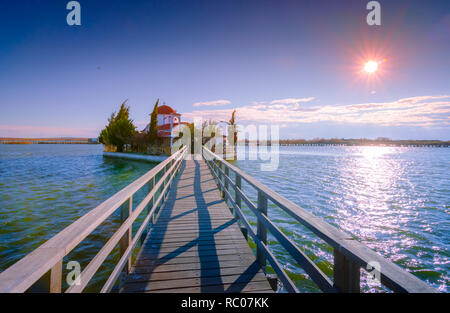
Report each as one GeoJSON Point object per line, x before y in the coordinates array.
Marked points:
{"type": "Point", "coordinates": [371, 67]}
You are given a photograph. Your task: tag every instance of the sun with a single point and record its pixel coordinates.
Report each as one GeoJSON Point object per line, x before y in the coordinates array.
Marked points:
{"type": "Point", "coordinates": [371, 66]}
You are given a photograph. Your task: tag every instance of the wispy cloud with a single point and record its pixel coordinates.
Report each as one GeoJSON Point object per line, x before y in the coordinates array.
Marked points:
{"type": "Point", "coordinates": [412, 111]}
{"type": "Point", "coordinates": [291, 100]}
{"type": "Point", "coordinates": [259, 102]}
{"type": "Point", "coordinates": [212, 103]}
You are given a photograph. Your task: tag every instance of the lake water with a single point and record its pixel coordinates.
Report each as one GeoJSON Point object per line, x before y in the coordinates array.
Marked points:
{"type": "Point", "coordinates": [394, 200]}
{"type": "Point", "coordinates": [44, 188]}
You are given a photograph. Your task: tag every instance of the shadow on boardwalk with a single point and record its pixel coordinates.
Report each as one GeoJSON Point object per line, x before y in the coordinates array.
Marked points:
{"type": "Point", "coordinates": [195, 244]}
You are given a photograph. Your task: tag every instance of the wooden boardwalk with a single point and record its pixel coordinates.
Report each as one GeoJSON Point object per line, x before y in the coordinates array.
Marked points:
{"type": "Point", "coordinates": [195, 244]}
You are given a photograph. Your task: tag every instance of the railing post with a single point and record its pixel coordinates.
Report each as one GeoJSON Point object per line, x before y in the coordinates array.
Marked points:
{"type": "Point", "coordinates": [237, 196]}
{"type": "Point", "coordinates": [219, 174]}
{"type": "Point", "coordinates": [227, 174]}
{"type": "Point", "coordinates": [56, 277]}
{"type": "Point", "coordinates": [164, 185]}
{"type": "Point", "coordinates": [150, 186]}
{"type": "Point", "coordinates": [153, 200]}
{"type": "Point", "coordinates": [125, 241]}
{"type": "Point", "coordinates": [346, 274]}
{"type": "Point", "coordinates": [222, 179]}
{"type": "Point", "coordinates": [261, 229]}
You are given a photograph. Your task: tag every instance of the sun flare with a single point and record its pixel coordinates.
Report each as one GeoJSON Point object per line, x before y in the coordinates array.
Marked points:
{"type": "Point", "coordinates": [371, 66]}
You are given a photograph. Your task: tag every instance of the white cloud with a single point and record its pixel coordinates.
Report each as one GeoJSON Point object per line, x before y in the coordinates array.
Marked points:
{"type": "Point", "coordinates": [412, 111]}
{"type": "Point", "coordinates": [259, 102]}
{"type": "Point", "coordinates": [291, 100]}
{"type": "Point", "coordinates": [212, 103]}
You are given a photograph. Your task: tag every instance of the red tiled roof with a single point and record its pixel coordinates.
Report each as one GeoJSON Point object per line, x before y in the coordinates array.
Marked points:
{"type": "Point", "coordinates": [165, 109]}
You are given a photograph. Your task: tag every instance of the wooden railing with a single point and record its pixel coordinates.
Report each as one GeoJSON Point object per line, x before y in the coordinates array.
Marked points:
{"type": "Point", "coordinates": [49, 256]}
{"type": "Point", "coordinates": [349, 255]}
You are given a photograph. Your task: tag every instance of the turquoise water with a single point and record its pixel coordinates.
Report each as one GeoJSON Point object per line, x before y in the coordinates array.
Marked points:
{"type": "Point", "coordinates": [395, 200]}
{"type": "Point", "coordinates": [44, 188]}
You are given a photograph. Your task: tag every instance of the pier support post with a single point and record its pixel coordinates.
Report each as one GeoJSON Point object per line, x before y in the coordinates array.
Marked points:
{"type": "Point", "coordinates": [261, 230]}
{"type": "Point", "coordinates": [346, 274]}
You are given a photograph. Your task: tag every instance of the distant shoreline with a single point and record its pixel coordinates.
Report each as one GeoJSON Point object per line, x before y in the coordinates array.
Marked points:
{"type": "Point", "coordinates": [354, 142]}
{"type": "Point", "coordinates": [281, 142]}
{"type": "Point", "coordinates": [28, 141]}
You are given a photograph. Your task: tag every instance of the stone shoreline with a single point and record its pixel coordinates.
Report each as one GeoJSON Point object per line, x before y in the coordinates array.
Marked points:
{"type": "Point", "coordinates": [135, 157]}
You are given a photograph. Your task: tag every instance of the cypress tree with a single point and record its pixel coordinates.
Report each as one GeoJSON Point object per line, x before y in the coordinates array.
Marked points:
{"type": "Point", "coordinates": [153, 131]}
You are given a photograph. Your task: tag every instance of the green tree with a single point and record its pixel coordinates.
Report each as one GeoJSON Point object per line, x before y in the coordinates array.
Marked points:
{"type": "Point", "coordinates": [120, 129]}
{"type": "Point", "coordinates": [153, 131]}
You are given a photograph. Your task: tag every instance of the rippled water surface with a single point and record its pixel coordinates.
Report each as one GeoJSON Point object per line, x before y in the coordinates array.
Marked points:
{"type": "Point", "coordinates": [44, 188]}
{"type": "Point", "coordinates": [395, 200]}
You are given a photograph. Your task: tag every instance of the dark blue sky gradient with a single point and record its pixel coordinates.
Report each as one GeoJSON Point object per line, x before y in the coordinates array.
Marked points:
{"type": "Point", "coordinates": [58, 80]}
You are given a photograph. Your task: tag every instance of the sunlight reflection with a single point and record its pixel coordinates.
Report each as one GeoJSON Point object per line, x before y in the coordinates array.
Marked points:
{"type": "Point", "coordinates": [373, 152]}
{"type": "Point", "coordinates": [377, 212]}
{"type": "Point", "coordinates": [369, 181]}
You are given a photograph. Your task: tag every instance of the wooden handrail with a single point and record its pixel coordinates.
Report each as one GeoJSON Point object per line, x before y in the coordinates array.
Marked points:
{"type": "Point", "coordinates": [24, 273]}
{"type": "Point", "coordinates": [287, 282]}
{"type": "Point", "coordinates": [349, 255]}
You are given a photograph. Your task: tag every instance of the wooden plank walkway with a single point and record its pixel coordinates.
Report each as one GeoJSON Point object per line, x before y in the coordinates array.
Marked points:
{"type": "Point", "coordinates": [195, 244]}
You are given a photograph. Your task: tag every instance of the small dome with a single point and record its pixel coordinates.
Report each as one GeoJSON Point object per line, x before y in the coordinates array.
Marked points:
{"type": "Point", "coordinates": [165, 109]}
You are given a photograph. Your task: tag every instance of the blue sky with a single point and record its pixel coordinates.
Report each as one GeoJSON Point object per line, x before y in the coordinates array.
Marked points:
{"type": "Point", "coordinates": [296, 64]}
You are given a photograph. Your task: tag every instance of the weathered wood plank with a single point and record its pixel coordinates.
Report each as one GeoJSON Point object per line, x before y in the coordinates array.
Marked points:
{"type": "Point", "coordinates": [210, 258]}
{"type": "Point", "coordinates": [196, 239]}
{"type": "Point", "coordinates": [196, 236]}
{"type": "Point", "coordinates": [200, 273]}
{"type": "Point", "coordinates": [203, 227]}
{"type": "Point", "coordinates": [202, 282]}
{"type": "Point", "coordinates": [202, 247]}
{"type": "Point", "coordinates": [191, 254]}
{"type": "Point", "coordinates": [181, 241]}
{"type": "Point", "coordinates": [191, 266]}
{"type": "Point", "coordinates": [227, 288]}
